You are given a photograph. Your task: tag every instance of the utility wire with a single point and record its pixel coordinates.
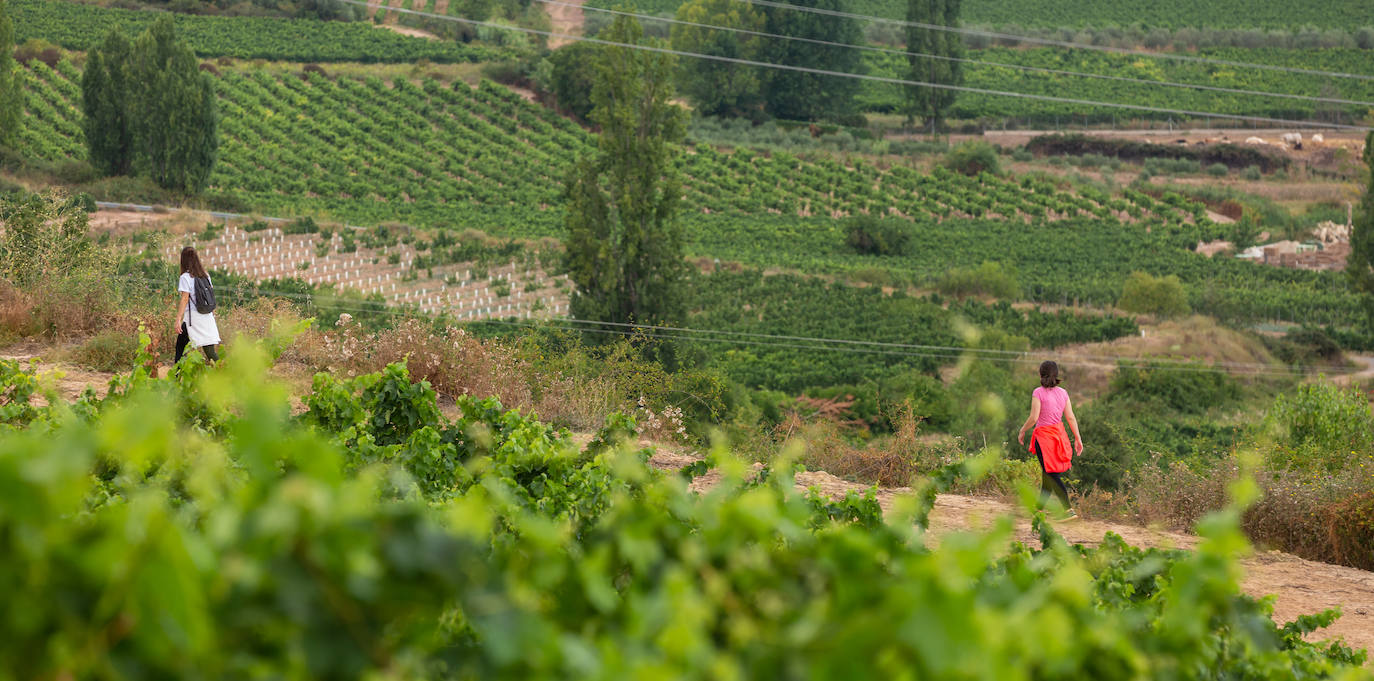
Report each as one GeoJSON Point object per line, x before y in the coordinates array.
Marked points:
{"type": "Point", "coordinates": [879, 79]}
{"type": "Point", "coordinates": [1055, 43]}
{"type": "Point", "coordinates": [961, 60]}
{"type": "Point", "coordinates": [761, 340]}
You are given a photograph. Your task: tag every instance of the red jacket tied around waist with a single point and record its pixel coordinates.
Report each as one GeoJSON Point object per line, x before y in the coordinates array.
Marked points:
{"type": "Point", "coordinates": [1054, 447]}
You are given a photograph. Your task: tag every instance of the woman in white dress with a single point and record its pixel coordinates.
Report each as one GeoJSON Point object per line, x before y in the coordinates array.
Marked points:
{"type": "Point", "coordinates": [193, 328]}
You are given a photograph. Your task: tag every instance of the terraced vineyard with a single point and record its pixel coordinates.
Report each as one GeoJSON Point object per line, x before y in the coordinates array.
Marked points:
{"type": "Point", "coordinates": [79, 26]}
{"type": "Point", "coordinates": [367, 152]}
{"type": "Point", "coordinates": [433, 155]}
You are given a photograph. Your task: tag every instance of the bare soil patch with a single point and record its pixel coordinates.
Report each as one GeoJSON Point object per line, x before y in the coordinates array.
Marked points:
{"type": "Point", "coordinates": [408, 30]}
{"type": "Point", "coordinates": [566, 19]}
{"type": "Point", "coordinates": [116, 222]}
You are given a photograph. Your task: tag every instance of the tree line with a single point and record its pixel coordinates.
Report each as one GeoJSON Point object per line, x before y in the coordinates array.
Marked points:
{"type": "Point", "coordinates": [725, 87]}
{"type": "Point", "coordinates": [150, 110]}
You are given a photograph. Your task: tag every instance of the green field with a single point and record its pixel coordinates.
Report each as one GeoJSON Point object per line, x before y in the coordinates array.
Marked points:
{"type": "Point", "coordinates": [79, 26]}
{"type": "Point", "coordinates": [372, 151]}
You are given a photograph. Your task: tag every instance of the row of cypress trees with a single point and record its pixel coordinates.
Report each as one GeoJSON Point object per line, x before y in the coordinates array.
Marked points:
{"type": "Point", "coordinates": [150, 110]}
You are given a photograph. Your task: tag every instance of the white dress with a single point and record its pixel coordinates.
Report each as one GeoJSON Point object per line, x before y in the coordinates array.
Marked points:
{"type": "Point", "coordinates": [200, 328]}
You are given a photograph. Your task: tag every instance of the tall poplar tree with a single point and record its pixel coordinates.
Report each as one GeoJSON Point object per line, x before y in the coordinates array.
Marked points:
{"type": "Point", "coordinates": [10, 95]}
{"type": "Point", "coordinates": [939, 50]}
{"type": "Point", "coordinates": [1360, 264]}
{"type": "Point", "coordinates": [173, 109]}
{"type": "Point", "coordinates": [624, 245]}
{"type": "Point", "coordinates": [105, 101]}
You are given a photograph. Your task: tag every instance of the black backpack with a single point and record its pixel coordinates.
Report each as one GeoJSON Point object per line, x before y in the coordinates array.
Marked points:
{"type": "Point", "coordinates": [205, 295]}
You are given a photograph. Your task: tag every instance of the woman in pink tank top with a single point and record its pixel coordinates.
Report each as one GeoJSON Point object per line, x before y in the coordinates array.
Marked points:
{"type": "Point", "coordinates": [1050, 409]}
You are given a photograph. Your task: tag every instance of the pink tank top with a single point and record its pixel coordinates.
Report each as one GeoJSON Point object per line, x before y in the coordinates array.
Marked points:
{"type": "Point", "coordinates": [1052, 403]}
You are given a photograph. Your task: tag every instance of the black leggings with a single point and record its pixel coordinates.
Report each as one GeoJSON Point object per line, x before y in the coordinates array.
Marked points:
{"type": "Point", "coordinates": [211, 351]}
{"type": "Point", "coordinates": [1051, 483]}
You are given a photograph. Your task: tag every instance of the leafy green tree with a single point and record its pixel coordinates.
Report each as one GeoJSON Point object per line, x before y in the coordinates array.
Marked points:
{"type": "Point", "coordinates": [174, 114]}
{"type": "Point", "coordinates": [624, 246]}
{"type": "Point", "coordinates": [972, 158]}
{"type": "Point", "coordinates": [571, 78]}
{"type": "Point", "coordinates": [1360, 265]}
{"type": "Point", "coordinates": [938, 50]}
{"type": "Point", "coordinates": [796, 95]}
{"type": "Point", "coordinates": [10, 96]}
{"type": "Point", "coordinates": [1145, 294]}
{"type": "Point", "coordinates": [719, 88]}
{"type": "Point", "coordinates": [105, 101]}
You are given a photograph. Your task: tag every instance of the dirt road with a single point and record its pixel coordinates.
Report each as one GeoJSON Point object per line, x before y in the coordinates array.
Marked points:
{"type": "Point", "coordinates": [1301, 586]}
{"type": "Point", "coordinates": [566, 19]}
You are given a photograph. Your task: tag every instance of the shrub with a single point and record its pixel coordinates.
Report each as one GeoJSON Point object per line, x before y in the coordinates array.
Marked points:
{"type": "Point", "coordinates": [1162, 296]}
{"type": "Point", "coordinates": [990, 278]}
{"type": "Point", "coordinates": [972, 158]}
{"type": "Point", "coordinates": [1323, 427]}
{"type": "Point", "coordinates": [1230, 155]}
{"type": "Point", "coordinates": [506, 72]}
{"type": "Point", "coordinates": [1218, 170]}
{"type": "Point", "coordinates": [1192, 390]}
{"type": "Point", "coordinates": [110, 350]}
{"type": "Point", "coordinates": [877, 236]}
{"type": "Point", "coordinates": [61, 277]}
{"type": "Point", "coordinates": [1305, 346]}
{"type": "Point", "coordinates": [1251, 173]}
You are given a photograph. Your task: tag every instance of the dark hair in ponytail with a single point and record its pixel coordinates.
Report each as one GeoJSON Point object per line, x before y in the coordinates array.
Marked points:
{"type": "Point", "coordinates": [1049, 374]}
{"type": "Point", "coordinates": [190, 262]}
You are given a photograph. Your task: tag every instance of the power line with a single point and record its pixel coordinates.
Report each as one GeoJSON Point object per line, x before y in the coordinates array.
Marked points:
{"type": "Point", "coordinates": [759, 340]}
{"type": "Point", "coordinates": [880, 79]}
{"type": "Point", "coordinates": [961, 60]}
{"type": "Point", "coordinates": [1056, 43]}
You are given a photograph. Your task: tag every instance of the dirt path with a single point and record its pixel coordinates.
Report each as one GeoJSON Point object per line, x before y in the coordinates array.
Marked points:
{"type": "Point", "coordinates": [1301, 586]}
{"type": "Point", "coordinates": [1365, 372]}
{"type": "Point", "coordinates": [566, 19]}
{"type": "Point", "coordinates": [391, 17]}
{"type": "Point", "coordinates": [441, 7]}
{"type": "Point", "coordinates": [408, 30]}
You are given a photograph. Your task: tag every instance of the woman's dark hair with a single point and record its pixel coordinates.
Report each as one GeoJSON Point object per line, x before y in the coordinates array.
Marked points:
{"type": "Point", "coordinates": [190, 262]}
{"type": "Point", "coordinates": [1049, 374]}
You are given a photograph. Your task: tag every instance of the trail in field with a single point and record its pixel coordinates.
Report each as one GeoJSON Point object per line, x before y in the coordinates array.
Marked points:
{"type": "Point", "coordinates": [1301, 586]}
{"type": "Point", "coordinates": [441, 7]}
{"type": "Point", "coordinates": [391, 17]}
{"type": "Point", "coordinates": [372, 7]}
{"type": "Point", "coordinates": [408, 30]}
{"type": "Point", "coordinates": [566, 19]}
